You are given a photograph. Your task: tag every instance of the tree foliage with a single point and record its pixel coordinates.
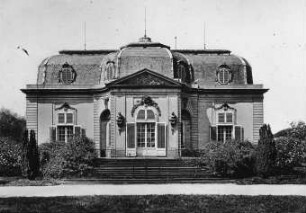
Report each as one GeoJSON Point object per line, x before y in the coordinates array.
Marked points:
{"type": "Point", "coordinates": [11, 131]}
{"type": "Point", "coordinates": [266, 152]}
{"type": "Point", "coordinates": [11, 125]}
{"type": "Point", "coordinates": [291, 146]}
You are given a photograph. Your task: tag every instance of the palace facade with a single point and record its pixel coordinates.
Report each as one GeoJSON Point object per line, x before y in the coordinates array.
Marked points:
{"type": "Point", "coordinates": [145, 99]}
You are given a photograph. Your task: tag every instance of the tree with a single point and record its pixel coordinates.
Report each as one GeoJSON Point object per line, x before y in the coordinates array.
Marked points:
{"type": "Point", "coordinates": [11, 125]}
{"type": "Point", "coordinates": [32, 157]}
{"type": "Point", "coordinates": [266, 152]}
{"type": "Point", "coordinates": [291, 147]}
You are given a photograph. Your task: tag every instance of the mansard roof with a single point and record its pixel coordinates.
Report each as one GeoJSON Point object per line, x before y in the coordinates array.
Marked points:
{"type": "Point", "coordinates": [90, 65]}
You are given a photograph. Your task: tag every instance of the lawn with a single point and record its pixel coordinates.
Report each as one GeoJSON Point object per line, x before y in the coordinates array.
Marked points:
{"type": "Point", "coordinates": [155, 203]}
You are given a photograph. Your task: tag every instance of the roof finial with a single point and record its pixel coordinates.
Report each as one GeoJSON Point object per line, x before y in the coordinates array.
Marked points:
{"type": "Point", "coordinates": [84, 34]}
{"type": "Point", "coordinates": [145, 35]}
{"type": "Point", "coordinates": [205, 36]}
{"type": "Point", "coordinates": [145, 38]}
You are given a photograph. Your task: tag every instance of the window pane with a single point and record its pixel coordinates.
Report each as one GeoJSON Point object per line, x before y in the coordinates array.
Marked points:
{"type": "Point", "coordinates": [61, 118]}
{"type": "Point", "coordinates": [228, 133]}
{"type": "Point", "coordinates": [61, 133]}
{"type": "Point", "coordinates": [150, 135]}
{"type": "Point", "coordinates": [150, 115]}
{"type": "Point", "coordinates": [141, 115]}
{"type": "Point", "coordinates": [141, 128]}
{"type": "Point", "coordinates": [69, 118]}
{"type": "Point", "coordinates": [221, 118]}
{"type": "Point", "coordinates": [229, 117]}
{"type": "Point", "coordinates": [66, 75]}
{"type": "Point", "coordinates": [69, 130]}
{"type": "Point", "coordinates": [220, 133]}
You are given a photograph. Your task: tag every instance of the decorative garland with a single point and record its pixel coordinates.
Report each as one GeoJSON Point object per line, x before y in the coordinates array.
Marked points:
{"type": "Point", "coordinates": [146, 101]}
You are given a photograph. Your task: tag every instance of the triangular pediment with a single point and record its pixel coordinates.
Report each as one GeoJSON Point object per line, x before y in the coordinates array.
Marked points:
{"type": "Point", "coordinates": [145, 78]}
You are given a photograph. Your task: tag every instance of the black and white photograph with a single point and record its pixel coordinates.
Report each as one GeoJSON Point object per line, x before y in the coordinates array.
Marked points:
{"type": "Point", "coordinates": [152, 106]}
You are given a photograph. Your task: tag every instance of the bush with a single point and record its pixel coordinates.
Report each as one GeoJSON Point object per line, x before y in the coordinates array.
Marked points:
{"type": "Point", "coordinates": [265, 152]}
{"type": "Point", "coordinates": [10, 160]}
{"type": "Point", "coordinates": [291, 147]}
{"type": "Point", "coordinates": [74, 158]}
{"type": "Point", "coordinates": [233, 158]}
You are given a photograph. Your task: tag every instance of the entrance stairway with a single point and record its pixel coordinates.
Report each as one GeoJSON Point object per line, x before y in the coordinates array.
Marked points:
{"type": "Point", "coordinates": [147, 169]}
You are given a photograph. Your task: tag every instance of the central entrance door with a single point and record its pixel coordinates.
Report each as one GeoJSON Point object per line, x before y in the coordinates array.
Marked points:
{"type": "Point", "coordinates": [146, 137]}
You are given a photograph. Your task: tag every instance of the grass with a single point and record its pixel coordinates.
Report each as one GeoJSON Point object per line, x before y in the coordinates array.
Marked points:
{"type": "Point", "coordinates": [155, 203]}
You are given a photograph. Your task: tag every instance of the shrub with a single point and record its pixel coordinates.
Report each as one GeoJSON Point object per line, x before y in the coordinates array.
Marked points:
{"type": "Point", "coordinates": [232, 158]}
{"type": "Point", "coordinates": [74, 158]}
{"type": "Point", "coordinates": [10, 161]}
{"type": "Point", "coordinates": [265, 152]}
{"type": "Point", "coordinates": [291, 147]}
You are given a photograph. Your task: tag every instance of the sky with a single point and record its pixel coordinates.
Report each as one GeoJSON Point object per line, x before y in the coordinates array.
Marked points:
{"type": "Point", "coordinates": [270, 34]}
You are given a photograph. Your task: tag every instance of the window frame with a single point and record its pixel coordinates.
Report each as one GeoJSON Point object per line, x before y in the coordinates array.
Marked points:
{"type": "Point", "coordinates": [146, 121]}
{"type": "Point", "coordinates": [66, 124]}
{"type": "Point", "coordinates": [223, 71]}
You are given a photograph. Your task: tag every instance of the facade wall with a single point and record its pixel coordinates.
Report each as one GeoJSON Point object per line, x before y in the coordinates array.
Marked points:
{"type": "Point", "coordinates": [248, 115]}
{"type": "Point", "coordinates": [45, 117]}
{"type": "Point", "coordinates": [258, 118]}
{"type": "Point", "coordinates": [31, 114]}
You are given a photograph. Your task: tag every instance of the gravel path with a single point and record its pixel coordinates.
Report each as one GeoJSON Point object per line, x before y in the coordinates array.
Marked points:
{"type": "Point", "coordinates": [147, 189]}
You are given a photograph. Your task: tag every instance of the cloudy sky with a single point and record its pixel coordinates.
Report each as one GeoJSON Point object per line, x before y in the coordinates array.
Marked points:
{"type": "Point", "coordinates": [269, 33]}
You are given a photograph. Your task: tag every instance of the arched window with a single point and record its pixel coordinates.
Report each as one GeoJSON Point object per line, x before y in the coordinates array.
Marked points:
{"type": "Point", "coordinates": [110, 70]}
{"type": "Point", "coordinates": [224, 74]}
{"type": "Point", "coordinates": [146, 128]}
{"type": "Point", "coordinates": [182, 72]}
{"type": "Point", "coordinates": [67, 74]}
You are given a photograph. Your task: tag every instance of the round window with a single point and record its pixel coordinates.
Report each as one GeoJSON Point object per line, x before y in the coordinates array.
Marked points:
{"type": "Point", "coordinates": [67, 74]}
{"type": "Point", "coordinates": [224, 75]}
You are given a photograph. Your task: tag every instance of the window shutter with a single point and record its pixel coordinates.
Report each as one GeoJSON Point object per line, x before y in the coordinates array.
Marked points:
{"type": "Point", "coordinates": [239, 133]}
{"type": "Point", "coordinates": [130, 135]}
{"type": "Point", "coordinates": [213, 133]}
{"type": "Point", "coordinates": [78, 131]}
{"type": "Point", "coordinates": [161, 135]}
{"type": "Point", "coordinates": [52, 133]}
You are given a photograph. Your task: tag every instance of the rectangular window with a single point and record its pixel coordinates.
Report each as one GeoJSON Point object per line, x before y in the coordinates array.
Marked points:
{"type": "Point", "coordinates": [224, 133]}
{"type": "Point", "coordinates": [64, 133]}
{"type": "Point", "coordinates": [61, 118]}
{"type": "Point", "coordinates": [221, 118]}
{"type": "Point", "coordinates": [229, 117]}
{"type": "Point", "coordinates": [69, 118]}
{"type": "Point", "coordinates": [61, 133]}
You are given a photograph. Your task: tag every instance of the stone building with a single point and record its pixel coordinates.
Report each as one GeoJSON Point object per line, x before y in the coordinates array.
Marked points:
{"type": "Point", "coordinates": [145, 99]}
